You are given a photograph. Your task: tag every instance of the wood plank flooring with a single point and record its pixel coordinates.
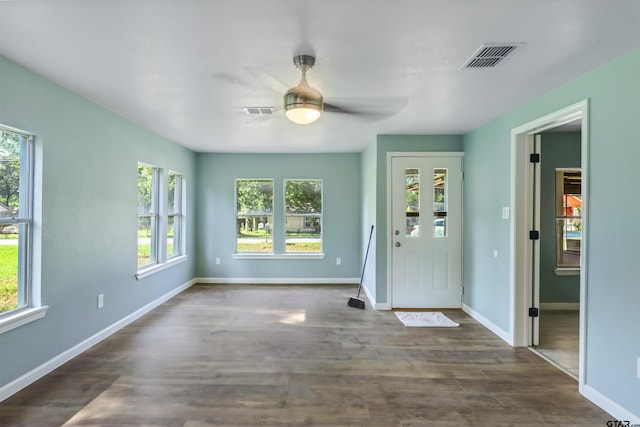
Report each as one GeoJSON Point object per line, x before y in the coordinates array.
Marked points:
{"type": "Point", "coordinates": [232, 355]}
{"type": "Point", "coordinates": [559, 338]}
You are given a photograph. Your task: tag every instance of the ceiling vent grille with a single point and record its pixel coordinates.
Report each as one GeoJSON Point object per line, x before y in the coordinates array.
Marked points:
{"type": "Point", "coordinates": [258, 110]}
{"type": "Point", "coordinates": [490, 55]}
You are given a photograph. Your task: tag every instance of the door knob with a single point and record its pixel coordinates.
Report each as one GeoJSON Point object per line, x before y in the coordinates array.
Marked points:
{"type": "Point", "coordinates": [397, 244]}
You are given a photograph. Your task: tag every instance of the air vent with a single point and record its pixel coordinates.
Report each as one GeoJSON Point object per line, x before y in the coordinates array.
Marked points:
{"type": "Point", "coordinates": [258, 110]}
{"type": "Point", "coordinates": [490, 55]}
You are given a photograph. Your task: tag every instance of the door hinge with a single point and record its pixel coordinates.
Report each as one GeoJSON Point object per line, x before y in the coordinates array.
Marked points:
{"type": "Point", "coordinates": [534, 157]}
{"type": "Point", "coordinates": [533, 312]}
{"type": "Point", "coordinates": [534, 235]}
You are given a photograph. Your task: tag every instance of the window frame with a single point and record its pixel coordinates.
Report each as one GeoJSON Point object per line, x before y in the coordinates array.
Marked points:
{"type": "Point", "coordinates": [153, 215]}
{"type": "Point", "coordinates": [160, 207]}
{"type": "Point", "coordinates": [564, 269]}
{"type": "Point", "coordinates": [237, 216]}
{"type": "Point", "coordinates": [178, 213]}
{"type": "Point", "coordinates": [319, 216]}
{"type": "Point", "coordinates": [30, 308]}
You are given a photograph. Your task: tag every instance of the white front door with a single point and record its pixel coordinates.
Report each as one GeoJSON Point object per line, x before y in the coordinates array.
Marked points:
{"type": "Point", "coordinates": [426, 217]}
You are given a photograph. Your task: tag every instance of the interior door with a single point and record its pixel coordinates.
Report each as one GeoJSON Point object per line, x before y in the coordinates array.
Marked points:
{"type": "Point", "coordinates": [426, 197]}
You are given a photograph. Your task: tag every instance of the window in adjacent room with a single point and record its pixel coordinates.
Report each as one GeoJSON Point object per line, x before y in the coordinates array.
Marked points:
{"type": "Point", "coordinates": [175, 215]}
{"type": "Point", "coordinates": [254, 215]}
{"type": "Point", "coordinates": [148, 215]}
{"type": "Point", "coordinates": [568, 218]}
{"type": "Point", "coordinates": [16, 220]}
{"type": "Point", "coordinates": [303, 216]}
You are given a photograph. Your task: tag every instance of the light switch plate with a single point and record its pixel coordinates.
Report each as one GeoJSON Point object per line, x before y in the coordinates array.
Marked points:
{"type": "Point", "coordinates": [505, 212]}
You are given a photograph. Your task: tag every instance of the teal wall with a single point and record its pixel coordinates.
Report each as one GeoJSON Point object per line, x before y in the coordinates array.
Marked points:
{"type": "Point", "coordinates": [89, 207]}
{"type": "Point", "coordinates": [383, 145]}
{"type": "Point", "coordinates": [613, 318]}
{"type": "Point", "coordinates": [369, 216]}
{"type": "Point", "coordinates": [558, 150]}
{"type": "Point", "coordinates": [341, 176]}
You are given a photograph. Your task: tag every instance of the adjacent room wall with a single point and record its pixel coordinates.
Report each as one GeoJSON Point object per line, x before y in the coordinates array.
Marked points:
{"type": "Point", "coordinates": [613, 319]}
{"type": "Point", "coordinates": [559, 150]}
{"type": "Point", "coordinates": [341, 176]}
{"type": "Point", "coordinates": [89, 224]}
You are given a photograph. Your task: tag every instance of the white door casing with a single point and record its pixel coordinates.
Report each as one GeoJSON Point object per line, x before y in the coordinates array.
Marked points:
{"type": "Point", "coordinates": [426, 230]}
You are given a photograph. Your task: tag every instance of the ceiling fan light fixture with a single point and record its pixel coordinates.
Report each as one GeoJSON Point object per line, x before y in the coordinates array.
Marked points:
{"type": "Point", "coordinates": [303, 104]}
{"type": "Point", "coordinates": [302, 115]}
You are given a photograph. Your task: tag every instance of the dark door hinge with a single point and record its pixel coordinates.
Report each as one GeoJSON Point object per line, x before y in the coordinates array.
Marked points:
{"type": "Point", "coordinates": [534, 158]}
{"type": "Point", "coordinates": [533, 312]}
{"type": "Point", "coordinates": [534, 235]}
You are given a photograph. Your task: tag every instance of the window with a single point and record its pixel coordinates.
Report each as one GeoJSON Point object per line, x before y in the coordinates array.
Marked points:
{"type": "Point", "coordinates": [254, 215]}
{"type": "Point", "coordinates": [438, 203]}
{"type": "Point", "coordinates": [148, 215]}
{"type": "Point", "coordinates": [16, 221]}
{"type": "Point", "coordinates": [303, 215]}
{"type": "Point", "coordinates": [568, 218]}
{"type": "Point", "coordinates": [175, 216]}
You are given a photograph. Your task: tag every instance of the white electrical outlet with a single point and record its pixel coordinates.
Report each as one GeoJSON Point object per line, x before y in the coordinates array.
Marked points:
{"type": "Point", "coordinates": [338, 261]}
{"type": "Point", "coordinates": [217, 260]}
{"type": "Point", "coordinates": [100, 300]}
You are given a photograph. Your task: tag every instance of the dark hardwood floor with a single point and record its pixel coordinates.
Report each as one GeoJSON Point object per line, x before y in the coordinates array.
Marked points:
{"type": "Point", "coordinates": [298, 355]}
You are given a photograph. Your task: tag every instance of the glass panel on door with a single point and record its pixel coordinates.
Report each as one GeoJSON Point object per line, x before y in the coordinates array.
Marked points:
{"type": "Point", "coordinates": [439, 203]}
{"type": "Point", "coordinates": [412, 202]}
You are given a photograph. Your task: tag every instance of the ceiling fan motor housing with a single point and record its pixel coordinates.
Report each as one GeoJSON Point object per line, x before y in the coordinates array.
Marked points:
{"type": "Point", "coordinates": [303, 97]}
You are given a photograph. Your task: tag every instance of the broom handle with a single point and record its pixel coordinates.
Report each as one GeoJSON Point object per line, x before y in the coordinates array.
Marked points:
{"type": "Point", "coordinates": [364, 264]}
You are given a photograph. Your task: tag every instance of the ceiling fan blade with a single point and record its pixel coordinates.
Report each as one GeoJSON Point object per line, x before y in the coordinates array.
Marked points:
{"type": "Point", "coordinates": [367, 108]}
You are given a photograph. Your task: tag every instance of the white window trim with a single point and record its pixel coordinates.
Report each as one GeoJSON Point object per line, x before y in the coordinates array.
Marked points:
{"type": "Point", "coordinates": [181, 215]}
{"type": "Point", "coordinates": [34, 310]}
{"type": "Point", "coordinates": [290, 255]}
{"type": "Point", "coordinates": [155, 213]}
{"type": "Point", "coordinates": [163, 261]}
{"type": "Point", "coordinates": [253, 255]}
{"type": "Point", "coordinates": [567, 271]}
{"type": "Point", "coordinates": [155, 268]}
{"type": "Point", "coordinates": [303, 255]}
{"type": "Point", "coordinates": [22, 317]}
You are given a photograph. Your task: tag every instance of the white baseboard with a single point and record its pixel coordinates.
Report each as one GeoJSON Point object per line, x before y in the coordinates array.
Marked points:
{"type": "Point", "coordinates": [559, 306]}
{"type": "Point", "coordinates": [57, 361]}
{"type": "Point", "coordinates": [372, 300]}
{"type": "Point", "coordinates": [278, 281]}
{"type": "Point", "coordinates": [615, 410]}
{"type": "Point", "coordinates": [487, 324]}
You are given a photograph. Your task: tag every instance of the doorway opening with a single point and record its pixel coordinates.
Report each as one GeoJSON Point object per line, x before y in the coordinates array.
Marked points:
{"type": "Point", "coordinates": [525, 260]}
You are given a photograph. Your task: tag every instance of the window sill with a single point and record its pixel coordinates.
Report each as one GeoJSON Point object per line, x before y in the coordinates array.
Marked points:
{"type": "Point", "coordinates": [149, 270]}
{"type": "Point", "coordinates": [22, 317]}
{"type": "Point", "coordinates": [278, 256]}
{"type": "Point", "coordinates": [567, 271]}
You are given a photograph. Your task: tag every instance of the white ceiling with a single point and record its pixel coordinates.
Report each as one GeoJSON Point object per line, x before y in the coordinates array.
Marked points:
{"type": "Point", "coordinates": [185, 68]}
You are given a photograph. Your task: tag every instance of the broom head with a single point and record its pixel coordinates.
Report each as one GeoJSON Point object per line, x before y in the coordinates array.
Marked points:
{"type": "Point", "coordinates": [356, 303]}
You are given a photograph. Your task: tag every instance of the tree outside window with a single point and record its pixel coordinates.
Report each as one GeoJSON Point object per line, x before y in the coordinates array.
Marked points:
{"type": "Point", "coordinates": [254, 215]}
{"type": "Point", "coordinates": [303, 215]}
{"type": "Point", "coordinates": [148, 218]}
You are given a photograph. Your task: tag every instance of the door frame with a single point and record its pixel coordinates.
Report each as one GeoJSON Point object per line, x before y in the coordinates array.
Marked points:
{"type": "Point", "coordinates": [522, 217]}
{"type": "Point", "coordinates": [390, 156]}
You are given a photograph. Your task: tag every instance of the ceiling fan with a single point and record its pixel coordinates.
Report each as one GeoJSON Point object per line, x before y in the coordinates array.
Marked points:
{"type": "Point", "coordinates": [304, 104]}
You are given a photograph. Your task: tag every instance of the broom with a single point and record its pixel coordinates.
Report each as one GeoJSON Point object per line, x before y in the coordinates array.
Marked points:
{"type": "Point", "coordinates": [357, 302]}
